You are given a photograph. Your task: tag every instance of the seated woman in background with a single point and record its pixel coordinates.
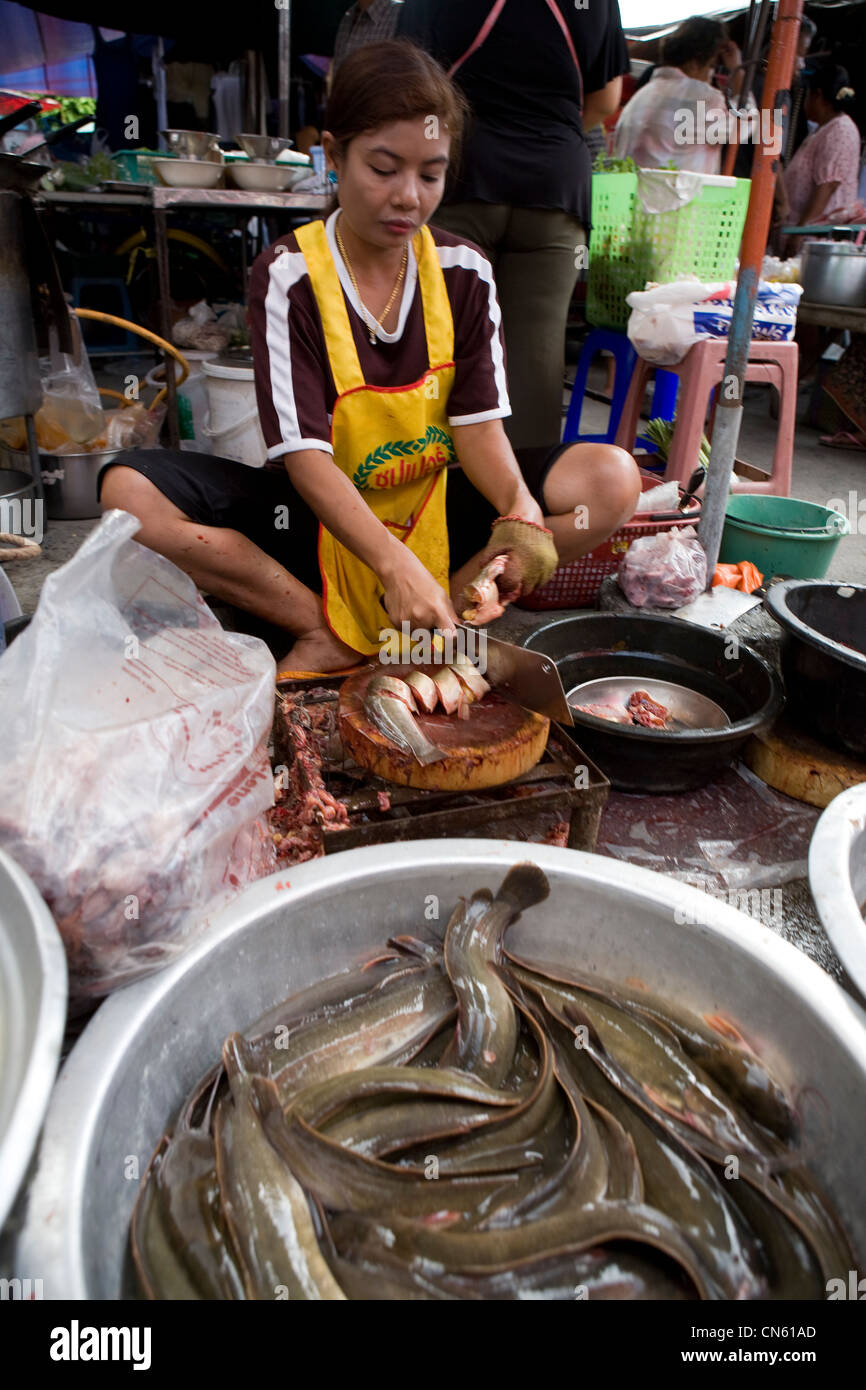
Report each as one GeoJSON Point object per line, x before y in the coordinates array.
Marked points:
{"type": "Point", "coordinates": [677, 115]}
{"type": "Point", "coordinates": [821, 179]}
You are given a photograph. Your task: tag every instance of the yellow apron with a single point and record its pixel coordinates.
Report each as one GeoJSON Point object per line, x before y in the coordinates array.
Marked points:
{"type": "Point", "coordinates": [392, 441]}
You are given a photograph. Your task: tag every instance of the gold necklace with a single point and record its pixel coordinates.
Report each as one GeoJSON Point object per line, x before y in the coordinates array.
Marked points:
{"type": "Point", "coordinates": [372, 322]}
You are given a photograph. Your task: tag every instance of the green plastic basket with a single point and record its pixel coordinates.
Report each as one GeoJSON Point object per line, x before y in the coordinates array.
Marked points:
{"type": "Point", "coordinates": [136, 166]}
{"type": "Point", "coordinates": [629, 246]}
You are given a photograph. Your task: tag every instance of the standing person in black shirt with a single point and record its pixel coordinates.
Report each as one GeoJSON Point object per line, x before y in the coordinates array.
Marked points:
{"type": "Point", "coordinates": [537, 75]}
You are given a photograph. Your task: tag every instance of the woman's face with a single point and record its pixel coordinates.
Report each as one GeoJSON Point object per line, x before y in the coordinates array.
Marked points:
{"type": "Point", "coordinates": [392, 179]}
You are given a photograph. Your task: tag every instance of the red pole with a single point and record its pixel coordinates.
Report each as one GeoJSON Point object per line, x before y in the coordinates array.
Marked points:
{"type": "Point", "coordinates": [767, 163]}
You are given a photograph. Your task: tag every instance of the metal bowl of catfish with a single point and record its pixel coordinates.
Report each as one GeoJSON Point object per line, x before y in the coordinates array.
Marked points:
{"type": "Point", "coordinates": [147, 1045]}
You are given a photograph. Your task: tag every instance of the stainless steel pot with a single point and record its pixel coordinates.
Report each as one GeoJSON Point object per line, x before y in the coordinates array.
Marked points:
{"type": "Point", "coordinates": [32, 1016]}
{"type": "Point", "coordinates": [837, 877]}
{"type": "Point", "coordinates": [148, 1044]}
{"type": "Point", "coordinates": [69, 482]}
{"type": "Point", "coordinates": [834, 272]}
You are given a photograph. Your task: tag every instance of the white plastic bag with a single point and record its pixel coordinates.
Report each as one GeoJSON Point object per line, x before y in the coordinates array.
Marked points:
{"type": "Point", "coordinates": [667, 320]}
{"type": "Point", "coordinates": [665, 570]}
{"type": "Point", "coordinates": [133, 768]}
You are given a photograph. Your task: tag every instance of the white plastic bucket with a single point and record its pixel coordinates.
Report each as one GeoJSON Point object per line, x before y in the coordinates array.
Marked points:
{"type": "Point", "coordinates": [192, 399]}
{"type": "Point", "coordinates": [233, 419]}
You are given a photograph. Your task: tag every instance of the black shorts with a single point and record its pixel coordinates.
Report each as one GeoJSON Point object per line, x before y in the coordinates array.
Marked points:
{"type": "Point", "coordinates": [263, 505]}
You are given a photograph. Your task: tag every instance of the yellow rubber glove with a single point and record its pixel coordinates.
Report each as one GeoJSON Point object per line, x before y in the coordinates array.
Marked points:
{"type": "Point", "coordinates": [532, 556]}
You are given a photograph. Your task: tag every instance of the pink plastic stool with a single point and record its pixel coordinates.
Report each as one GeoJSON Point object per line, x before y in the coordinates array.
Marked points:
{"type": "Point", "coordinates": [703, 368]}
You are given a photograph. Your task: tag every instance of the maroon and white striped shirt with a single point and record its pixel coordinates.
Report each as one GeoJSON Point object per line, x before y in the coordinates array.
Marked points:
{"type": "Point", "coordinates": [294, 384]}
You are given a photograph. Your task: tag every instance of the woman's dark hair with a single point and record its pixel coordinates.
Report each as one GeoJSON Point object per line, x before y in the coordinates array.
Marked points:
{"type": "Point", "coordinates": [831, 81]}
{"type": "Point", "coordinates": [697, 40]}
{"type": "Point", "coordinates": [392, 81]}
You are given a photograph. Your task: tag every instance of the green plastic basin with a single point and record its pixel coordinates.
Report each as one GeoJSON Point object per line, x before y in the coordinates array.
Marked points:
{"type": "Point", "coordinates": [781, 535]}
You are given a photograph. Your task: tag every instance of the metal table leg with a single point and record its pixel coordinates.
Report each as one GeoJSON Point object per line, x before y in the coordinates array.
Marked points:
{"type": "Point", "coordinates": [164, 278]}
{"type": "Point", "coordinates": [35, 460]}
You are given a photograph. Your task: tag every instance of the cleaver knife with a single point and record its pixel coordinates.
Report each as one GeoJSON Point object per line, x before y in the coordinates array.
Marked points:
{"type": "Point", "coordinates": [528, 677]}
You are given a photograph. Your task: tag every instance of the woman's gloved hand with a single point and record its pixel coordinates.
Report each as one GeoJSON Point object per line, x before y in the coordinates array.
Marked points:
{"type": "Point", "coordinates": [519, 556]}
{"type": "Point", "coordinates": [530, 554]}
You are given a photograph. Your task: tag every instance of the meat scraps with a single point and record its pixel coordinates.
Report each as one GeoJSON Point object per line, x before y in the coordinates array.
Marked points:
{"type": "Point", "coordinates": [305, 810]}
{"type": "Point", "coordinates": [611, 710]}
{"type": "Point", "coordinates": [640, 709]}
{"type": "Point", "coordinates": [646, 711]}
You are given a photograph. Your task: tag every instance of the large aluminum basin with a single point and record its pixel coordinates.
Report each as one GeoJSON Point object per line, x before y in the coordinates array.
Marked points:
{"type": "Point", "coordinates": [32, 1017]}
{"type": "Point", "coordinates": [148, 1044]}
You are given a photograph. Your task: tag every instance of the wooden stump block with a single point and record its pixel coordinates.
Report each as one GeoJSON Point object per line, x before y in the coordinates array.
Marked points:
{"type": "Point", "coordinates": [498, 742]}
{"type": "Point", "coordinates": [795, 763]}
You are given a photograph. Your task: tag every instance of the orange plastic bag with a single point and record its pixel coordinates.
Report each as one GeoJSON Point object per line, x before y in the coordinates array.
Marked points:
{"type": "Point", "coordinates": [744, 576]}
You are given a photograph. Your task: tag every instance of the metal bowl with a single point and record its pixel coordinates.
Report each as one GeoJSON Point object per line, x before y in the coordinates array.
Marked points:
{"type": "Point", "coordinates": [594, 646]}
{"type": "Point", "coordinates": [824, 657]}
{"type": "Point", "coordinates": [194, 144]}
{"type": "Point", "coordinates": [837, 877]}
{"type": "Point", "coordinates": [686, 708]}
{"type": "Point", "coordinates": [148, 1044]}
{"type": "Point", "coordinates": [32, 1017]}
{"type": "Point", "coordinates": [263, 146]}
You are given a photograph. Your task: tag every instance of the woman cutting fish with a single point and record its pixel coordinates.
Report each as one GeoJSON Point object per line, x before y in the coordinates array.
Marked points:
{"type": "Point", "coordinates": [381, 384]}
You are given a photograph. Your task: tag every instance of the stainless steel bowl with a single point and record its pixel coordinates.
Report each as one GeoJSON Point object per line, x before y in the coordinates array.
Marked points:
{"type": "Point", "coordinates": [194, 144]}
{"type": "Point", "coordinates": [32, 1017]}
{"type": "Point", "coordinates": [834, 272]}
{"type": "Point", "coordinates": [837, 877]}
{"type": "Point", "coordinates": [263, 146]}
{"type": "Point", "coordinates": [148, 1044]}
{"type": "Point", "coordinates": [687, 709]}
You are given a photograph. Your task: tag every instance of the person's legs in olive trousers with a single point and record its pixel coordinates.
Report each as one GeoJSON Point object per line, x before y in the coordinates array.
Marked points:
{"type": "Point", "coordinates": [534, 253]}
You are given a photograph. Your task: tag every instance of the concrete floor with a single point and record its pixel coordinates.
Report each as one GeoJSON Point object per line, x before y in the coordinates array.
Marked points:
{"type": "Point", "coordinates": [820, 475]}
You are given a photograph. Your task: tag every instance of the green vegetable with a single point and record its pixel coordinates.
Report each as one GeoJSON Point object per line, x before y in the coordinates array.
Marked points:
{"type": "Point", "coordinates": [607, 164]}
{"type": "Point", "coordinates": [76, 178]}
{"type": "Point", "coordinates": [73, 107]}
{"type": "Point", "coordinates": [661, 433]}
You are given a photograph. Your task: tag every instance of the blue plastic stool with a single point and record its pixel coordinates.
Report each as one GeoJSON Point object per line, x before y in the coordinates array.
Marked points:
{"type": "Point", "coordinates": [664, 402]}
{"type": "Point", "coordinates": [608, 340]}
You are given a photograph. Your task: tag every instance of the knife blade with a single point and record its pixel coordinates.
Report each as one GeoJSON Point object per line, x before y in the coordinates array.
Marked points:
{"type": "Point", "coordinates": [528, 677]}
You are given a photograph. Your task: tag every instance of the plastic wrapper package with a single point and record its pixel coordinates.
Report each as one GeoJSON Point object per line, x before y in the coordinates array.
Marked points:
{"type": "Point", "coordinates": [664, 571]}
{"type": "Point", "coordinates": [134, 776]}
{"type": "Point", "coordinates": [735, 835]}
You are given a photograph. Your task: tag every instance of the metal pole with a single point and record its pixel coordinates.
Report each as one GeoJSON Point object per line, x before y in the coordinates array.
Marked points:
{"type": "Point", "coordinates": [284, 39]}
{"type": "Point", "coordinates": [157, 65]}
{"type": "Point", "coordinates": [164, 277]}
{"type": "Point", "coordinates": [729, 415]}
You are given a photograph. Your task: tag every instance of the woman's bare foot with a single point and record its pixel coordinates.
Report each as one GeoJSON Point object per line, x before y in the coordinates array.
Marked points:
{"type": "Point", "coordinates": [319, 650]}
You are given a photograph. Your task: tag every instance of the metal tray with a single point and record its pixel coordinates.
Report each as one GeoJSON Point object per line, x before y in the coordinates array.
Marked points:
{"type": "Point", "coordinates": [566, 786]}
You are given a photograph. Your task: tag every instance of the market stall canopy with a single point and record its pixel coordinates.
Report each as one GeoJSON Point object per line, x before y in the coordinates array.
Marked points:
{"type": "Point", "coordinates": [43, 52]}
{"type": "Point", "coordinates": [314, 27]}
{"type": "Point", "coordinates": [667, 14]}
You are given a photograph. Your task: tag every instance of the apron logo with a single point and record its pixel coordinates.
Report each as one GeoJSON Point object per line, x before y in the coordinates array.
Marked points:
{"type": "Point", "coordinates": [403, 460]}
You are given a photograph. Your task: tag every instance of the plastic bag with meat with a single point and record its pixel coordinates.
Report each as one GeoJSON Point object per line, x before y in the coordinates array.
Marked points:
{"type": "Point", "coordinates": [664, 571]}
{"type": "Point", "coordinates": [134, 774]}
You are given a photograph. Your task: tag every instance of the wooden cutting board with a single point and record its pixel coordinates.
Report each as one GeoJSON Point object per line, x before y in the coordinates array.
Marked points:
{"type": "Point", "coordinates": [800, 766]}
{"type": "Point", "coordinates": [498, 742]}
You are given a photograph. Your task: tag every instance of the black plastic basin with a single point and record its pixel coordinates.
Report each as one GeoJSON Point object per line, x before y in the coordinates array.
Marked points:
{"type": "Point", "coordinates": [824, 658]}
{"type": "Point", "coordinates": [713, 663]}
